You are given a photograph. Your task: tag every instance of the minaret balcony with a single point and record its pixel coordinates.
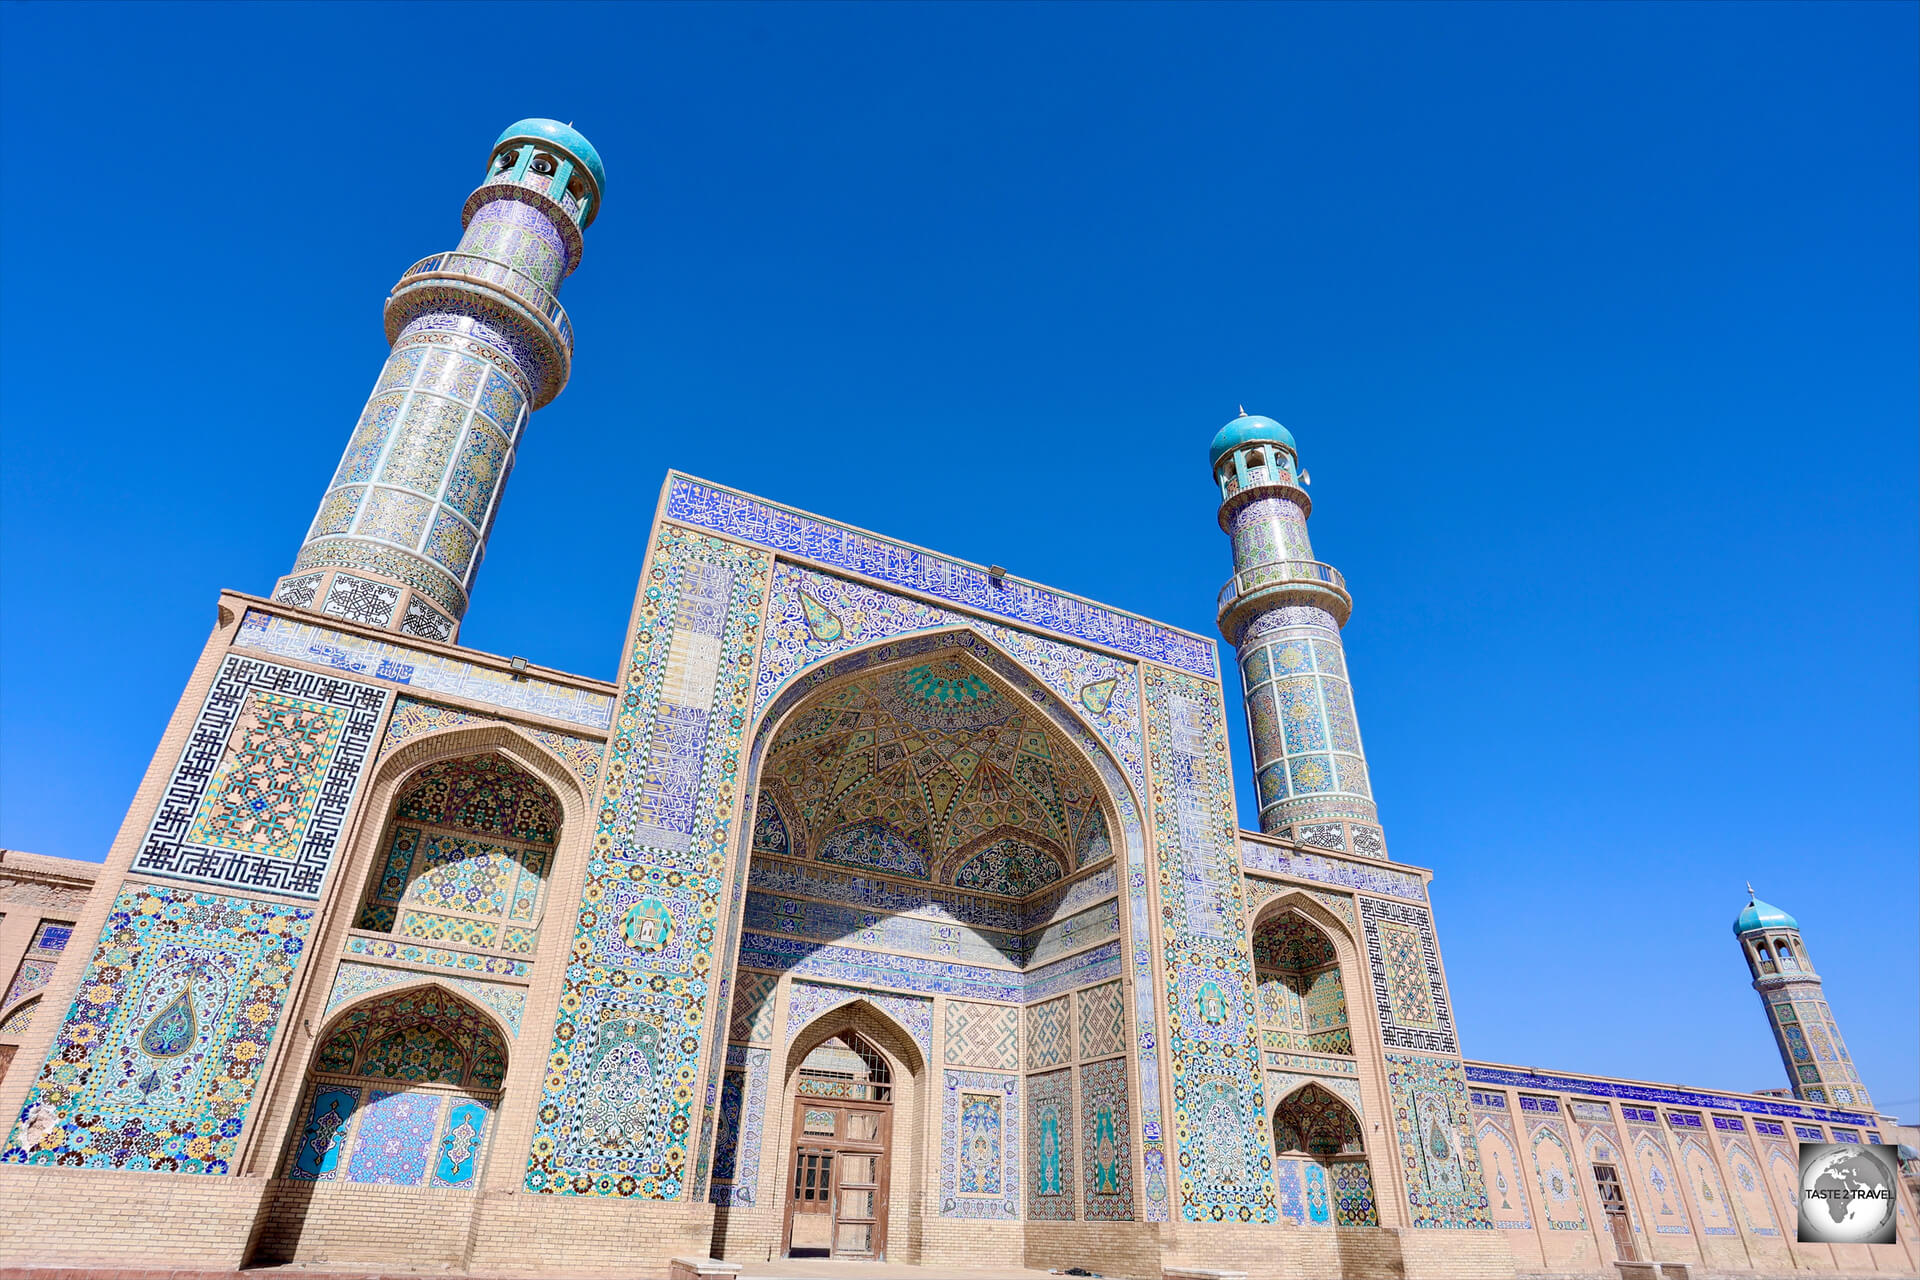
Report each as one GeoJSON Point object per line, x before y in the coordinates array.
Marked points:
{"type": "Point", "coordinates": [478, 269]}
{"type": "Point", "coordinates": [1282, 582]}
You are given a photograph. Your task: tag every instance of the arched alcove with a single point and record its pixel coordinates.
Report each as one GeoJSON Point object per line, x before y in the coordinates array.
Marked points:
{"type": "Point", "coordinates": [1312, 1122]}
{"type": "Point", "coordinates": [466, 858]}
{"type": "Point", "coordinates": [401, 1091]}
{"type": "Point", "coordinates": [937, 832]}
{"type": "Point", "coordinates": [1302, 993]}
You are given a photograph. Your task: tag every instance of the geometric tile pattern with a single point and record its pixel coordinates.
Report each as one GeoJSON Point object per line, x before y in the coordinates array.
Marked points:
{"type": "Point", "coordinates": [1433, 1127]}
{"type": "Point", "coordinates": [752, 1021]}
{"type": "Point", "coordinates": [1106, 1142]}
{"type": "Point", "coordinates": [806, 1001]}
{"type": "Point", "coordinates": [155, 1065]}
{"type": "Point", "coordinates": [428, 672]}
{"type": "Point", "coordinates": [1049, 1034]}
{"type": "Point", "coordinates": [615, 1113]}
{"type": "Point", "coordinates": [736, 1168]}
{"type": "Point", "coordinates": [1103, 1021]}
{"type": "Point", "coordinates": [1050, 1130]}
{"type": "Point", "coordinates": [361, 599]}
{"type": "Point", "coordinates": [980, 1179]}
{"type": "Point", "coordinates": [266, 779]}
{"type": "Point", "coordinates": [1225, 1163]}
{"type": "Point", "coordinates": [354, 981]}
{"type": "Point", "coordinates": [411, 718]}
{"type": "Point", "coordinates": [1323, 869]}
{"type": "Point", "coordinates": [1353, 1195]}
{"type": "Point", "coordinates": [1409, 992]}
{"type": "Point", "coordinates": [36, 967]}
{"type": "Point", "coordinates": [982, 1035]}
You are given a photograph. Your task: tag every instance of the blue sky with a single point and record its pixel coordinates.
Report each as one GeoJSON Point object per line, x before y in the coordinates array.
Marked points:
{"type": "Point", "coordinates": [1596, 325]}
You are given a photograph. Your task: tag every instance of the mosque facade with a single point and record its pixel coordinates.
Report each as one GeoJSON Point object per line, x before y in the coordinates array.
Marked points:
{"type": "Point", "coordinates": [885, 906]}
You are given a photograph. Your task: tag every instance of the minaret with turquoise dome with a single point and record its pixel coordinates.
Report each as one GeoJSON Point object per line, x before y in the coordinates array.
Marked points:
{"type": "Point", "coordinates": [1816, 1057]}
{"type": "Point", "coordinates": [479, 341]}
{"type": "Point", "coordinates": [1283, 610]}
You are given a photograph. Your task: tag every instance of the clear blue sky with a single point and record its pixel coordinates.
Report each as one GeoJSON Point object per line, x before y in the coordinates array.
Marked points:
{"type": "Point", "coordinates": [1596, 326]}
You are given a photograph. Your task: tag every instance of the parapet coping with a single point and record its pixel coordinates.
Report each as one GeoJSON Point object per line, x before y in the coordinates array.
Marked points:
{"type": "Point", "coordinates": [1665, 1093]}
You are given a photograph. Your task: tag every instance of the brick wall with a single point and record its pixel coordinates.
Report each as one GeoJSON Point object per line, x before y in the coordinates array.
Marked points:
{"type": "Point", "coordinates": [77, 1217]}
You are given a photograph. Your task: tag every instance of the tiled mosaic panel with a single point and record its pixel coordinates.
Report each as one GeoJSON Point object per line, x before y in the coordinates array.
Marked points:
{"type": "Point", "coordinates": [1050, 1034]}
{"type": "Point", "coordinates": [982, 1035]}
{"type": "Point", "coordinates": [412, 717]}
{"type": "Point", "coordinates": [980, 1169]}
{"type": "Point", "coordinates": [1051, 1189]}
{"type": "Point", "coordinates": [1653, 1161]}
{"type": "Point", "coordinates": [639, 980]}
{"type": "Point", "coordinates": [430, 672]}
{"type": "Point", "coordinates": [1226, 1171]}
{"type": "Point", "coordinates": [1671, 1095]}
{"type": "Point", "coordinates": [1261, 891]}
{"type": "Point", "coordinates": [1749, 1187]}
{"type": "Point", "coordinates": [50, 939]}
{"type": "Point", "coordinates": [1501, 1166]}
{"type": "Point", "coordinates": [356, 981]}
{"type": "Point", "coordinates": [781, 529]}
{"type": "Point", "coordinates": [272, 766]}
{"type": "Point", "coordinates": [1281, 1083]}
{"type": "Point", "coordinates": [155, 1065]}
{"type": "Point", "coordinates": [1353, 1203]}
{"type": "Point", "coordinates": [1102, 1020]}
{"type": "Point", "coordinates": [1106, 1143]}
{"type": "Point", "coordinates": [1317, 868]}
{"type": "Point", "coordinates": [743, 1110]}
{"type": "Point", "coordinates": [1434, 1131]}
{"type": "Point", "coordinates": [1304, 1191]}
{"type": "Point", "coordinates": [816, 615]}
{"type": "Point", "coordinates": [753, 1005]}
{"type": "Point", "coordinates": [395, 1138]}
{"type": "Point", "coordinates": [1707, 1193]}
{"type": "Point", "coordinates": [438, 957]}
{"type": "Point", "coordinates": [1409, 991]}
{"type": "Point", "coordinates": [1552, 1159]}
{"type": "Point", "coordinates": [806, 1001]}
{"type": "Point", "coordinates": [441, 887]}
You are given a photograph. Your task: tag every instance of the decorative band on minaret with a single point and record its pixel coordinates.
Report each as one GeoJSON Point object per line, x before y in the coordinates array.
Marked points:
{"type": "Point", "coordinates": [479, 341]}
{"type": "Point", "coordinates": [1816, 1058]}
{"type": "Point", "coordinates": [1283, 610]}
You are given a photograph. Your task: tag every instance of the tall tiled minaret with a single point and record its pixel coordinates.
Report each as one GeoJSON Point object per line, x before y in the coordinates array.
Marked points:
{"type": "Point", "coordinates": [1816, 1057]}
{"type": "Point", "coordinates": [479, 342]}
{"type": "Point", "coordinates": [1283, 611]}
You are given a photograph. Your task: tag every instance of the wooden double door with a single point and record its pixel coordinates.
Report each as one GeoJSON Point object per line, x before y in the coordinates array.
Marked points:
{"type": "Point", "coordinates": [837, 1193]}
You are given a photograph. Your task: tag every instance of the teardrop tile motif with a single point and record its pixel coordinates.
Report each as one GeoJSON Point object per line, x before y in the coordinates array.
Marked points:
{"type": "Point", "coordinates": [173, 1029]}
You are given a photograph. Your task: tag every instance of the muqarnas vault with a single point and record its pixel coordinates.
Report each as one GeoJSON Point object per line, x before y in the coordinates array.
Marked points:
{"type": "Point", "coordinates": [884, 906]}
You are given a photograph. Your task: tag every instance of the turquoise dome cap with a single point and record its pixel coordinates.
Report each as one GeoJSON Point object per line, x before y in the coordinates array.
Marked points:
{"type": "Point", "coordinates": [1762, 915]}
{"type": "Point", "coordinates": [567, 138]}
{"type": "Point", "coordinates": [1248, 428]}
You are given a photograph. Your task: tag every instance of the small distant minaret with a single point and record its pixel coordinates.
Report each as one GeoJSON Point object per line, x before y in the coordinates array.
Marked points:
{"type": "Point", "coordinates": [479, 342]}
{"type": "Point", "coordinates": [1283, 611]}
{"type": "Point", "coordinates": [1816, 1057]}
